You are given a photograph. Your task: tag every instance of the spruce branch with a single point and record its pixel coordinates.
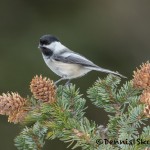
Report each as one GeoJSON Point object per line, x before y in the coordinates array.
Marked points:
{"type": "Point", "coordinates": [31, 138]}
{"type": "Point", "coordinates": [103, 93]}
{"type": "Point", "coordinates": [52, 113]}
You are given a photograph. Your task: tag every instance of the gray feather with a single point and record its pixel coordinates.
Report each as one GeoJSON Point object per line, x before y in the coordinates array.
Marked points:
{"type": "Point", "coordinates": [75, 58]}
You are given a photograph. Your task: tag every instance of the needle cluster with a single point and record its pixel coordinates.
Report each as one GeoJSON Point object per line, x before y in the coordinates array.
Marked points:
{"type": "Point", "coordinates": [52, 113]}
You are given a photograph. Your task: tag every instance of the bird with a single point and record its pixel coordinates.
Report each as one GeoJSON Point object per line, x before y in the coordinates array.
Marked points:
{"type": "Point", "coordinates": [66, 63]}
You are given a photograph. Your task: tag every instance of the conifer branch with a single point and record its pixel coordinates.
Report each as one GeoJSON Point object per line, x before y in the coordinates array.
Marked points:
{"type": "Point", "coordinates": [52, 113]}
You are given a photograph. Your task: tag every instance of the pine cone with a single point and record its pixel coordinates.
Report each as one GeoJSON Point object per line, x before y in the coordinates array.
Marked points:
{"type": "Point", "coordinates": [141, 77]}
{"type": "Point", "coordinates": [17, 116]}
{"type": "Point", "coordinates": [145, 97]}
{"type": "Point", "coordinates": [147, 111]}
{"type": "Point", "coordinates": [43, 89]}
{"type": "Point", "coordinates": [10, 103]}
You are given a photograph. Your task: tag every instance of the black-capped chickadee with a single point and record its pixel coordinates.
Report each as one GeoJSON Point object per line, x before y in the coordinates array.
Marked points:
{"type": "Point", "coordinates": [64, 62]}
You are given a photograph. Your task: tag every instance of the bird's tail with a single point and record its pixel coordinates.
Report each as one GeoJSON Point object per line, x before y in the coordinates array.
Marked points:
{"type": "Point", "coordinates": [107, 71]}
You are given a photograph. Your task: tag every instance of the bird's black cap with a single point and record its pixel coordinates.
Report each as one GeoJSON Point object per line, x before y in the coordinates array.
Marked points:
{"type": "Point", "coordinates": [47, 39]}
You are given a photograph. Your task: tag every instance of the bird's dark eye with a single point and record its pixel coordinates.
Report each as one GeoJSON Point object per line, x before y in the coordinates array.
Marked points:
{"type": "Point", "coordinates": [44, 42]}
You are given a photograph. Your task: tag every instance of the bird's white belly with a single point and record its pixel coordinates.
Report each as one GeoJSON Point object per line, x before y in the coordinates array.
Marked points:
{"type": "Point", "coordinates": [68, 71]}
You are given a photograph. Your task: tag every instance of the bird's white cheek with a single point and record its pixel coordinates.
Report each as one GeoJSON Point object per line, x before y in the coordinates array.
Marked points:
{"type": "Point", "coordinates": [56, 47]}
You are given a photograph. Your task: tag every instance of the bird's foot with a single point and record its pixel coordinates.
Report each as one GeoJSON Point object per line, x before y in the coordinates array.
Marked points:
{"type": "Point", "coordinates": [68, 83]}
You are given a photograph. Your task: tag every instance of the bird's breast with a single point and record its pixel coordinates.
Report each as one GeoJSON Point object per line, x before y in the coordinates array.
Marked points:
{"type": "Point", "coordinates": [66, 70]}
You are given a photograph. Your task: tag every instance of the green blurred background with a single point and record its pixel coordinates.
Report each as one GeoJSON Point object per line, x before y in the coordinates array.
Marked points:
{"type": "Point", "coordinates": [113, 34]}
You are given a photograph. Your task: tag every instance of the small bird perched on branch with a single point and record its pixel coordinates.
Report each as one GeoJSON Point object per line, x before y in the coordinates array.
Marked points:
{"type": "Point", "coordinates": [66, 63]}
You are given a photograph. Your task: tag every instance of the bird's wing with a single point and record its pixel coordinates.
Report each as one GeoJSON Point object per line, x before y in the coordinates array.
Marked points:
{"type": "Point", "coordinates": [74, 58]}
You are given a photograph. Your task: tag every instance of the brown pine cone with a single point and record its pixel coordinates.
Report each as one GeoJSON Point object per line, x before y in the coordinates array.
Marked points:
{"type": "Point", "coordinates": [141, 77]}
{"type": "Point", "coordinates": [17, 116]}
{"type": "Point", "coordinates": [43, 89]}
{"type": "Point", "coordinates": [145, 97]}
{"type": "Point", "coordinates": [10, 103]}
{"type": "Point", "coordinates": [147, 111]}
